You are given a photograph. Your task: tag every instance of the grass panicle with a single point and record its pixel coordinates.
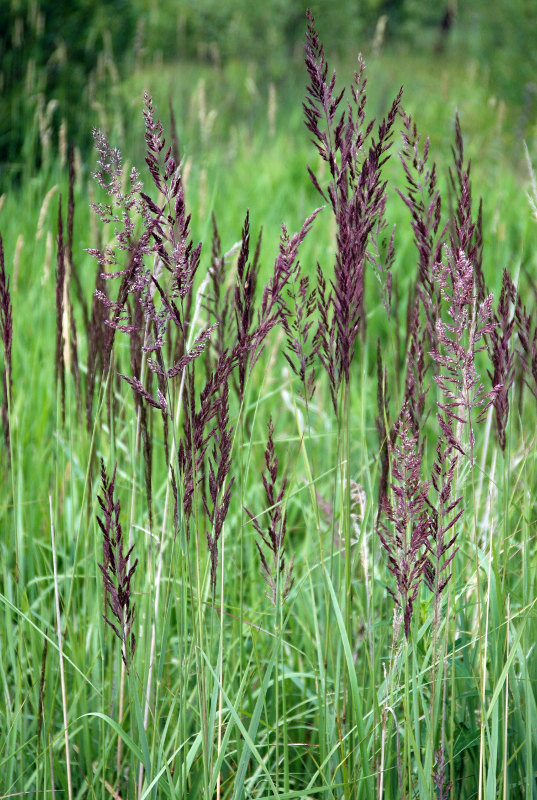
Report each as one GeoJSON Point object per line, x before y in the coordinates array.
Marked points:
{"type": "Point", "coordinates": [276, 575]}
{"type": "Point", "coordinates": [527, 339]}
{"type": "Point", "coordinates": [423, 199]}
{"type": "Point", "coordinates": [356, 194]}
{"type": "Point", "coordinates": [502, 356]}
{"type": "Point", "coordinates": [117, 569]}
{"type": "Point", "coordinates": [406, 540]}
{"type": "Point", "coordinates": [459, 342]}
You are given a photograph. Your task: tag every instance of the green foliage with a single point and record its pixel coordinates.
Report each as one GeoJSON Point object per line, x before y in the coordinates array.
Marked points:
{"type": "Point", "coordinates": [502, 37]}
{"type": "Point", "coordinates": [268, 33]}
{"type": "Point", "coordinates": [54, 56]}
{"type": "Point", "coordinates": [62, 60]}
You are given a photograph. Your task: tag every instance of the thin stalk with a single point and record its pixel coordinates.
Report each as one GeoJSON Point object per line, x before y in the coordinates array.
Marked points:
{"type": "Point", "coordinates": [278, 677]}
{"type": "Point", "coordinates": [450, 624]}
{"type": "Point", "coordinates": [322, 704]}
{"type": "Point", "coordinates": [484, 664]}
{"type": "Point", "coordinates": [407, 755]}
{"type": "Point", "coordinates": [480, 650]}
{"type": "Point", "coordinates": [506, 708]}
{"type": "Point", "coordinates": [346, 504]}
{"type": "Point", "coordinates": [60, 650]}
{"type": "Point", "coordinates": [121, 707]}
{"type": "Point", "coordinates": [158, 575]}
{"type": "Point", "coordinates": [286, 775]}
{"type": "Point", "coordinates": [382, 748]}
{"type": "Point", "coordinates": [202, 684]}
{"type": "Point", "coordinates": [220, 660]}
{"type": "Point", "coordinates": [309, 474]}
{"type": "Point", "coordinates": [528, 642]}
{"type": "Point", "coordinates": [12, 472]}
{"type": "Point", "coordinates": [345, 528]}
{"type": "Point", "coordinates": [241, 545]}
{"type": "Point", "coordinates": [334, 578]}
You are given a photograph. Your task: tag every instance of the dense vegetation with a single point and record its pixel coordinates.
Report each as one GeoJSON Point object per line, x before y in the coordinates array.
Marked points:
{"type": "Point", "coordinates": [61, 63]}
{"type": "Point", "coordinates": [267, 525]}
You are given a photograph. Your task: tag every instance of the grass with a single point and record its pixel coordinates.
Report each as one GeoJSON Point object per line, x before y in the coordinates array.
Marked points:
{"type": "Point", "coordinates": [320, 694]}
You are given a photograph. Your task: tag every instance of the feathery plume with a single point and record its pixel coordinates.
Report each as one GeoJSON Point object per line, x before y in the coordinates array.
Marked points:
{"type": "Point", "coordinates": [502, 355]}
{"type": "Point", "coordinates": [276, 575]}
{"type": "Point", "coordinates": [406, 537]}
{"type": "Point", "coordinates": [357, 196]}
{"type": "Point", "coordinates": [423, 200]}
{"type": "Point", "coordinates": [117, 569]}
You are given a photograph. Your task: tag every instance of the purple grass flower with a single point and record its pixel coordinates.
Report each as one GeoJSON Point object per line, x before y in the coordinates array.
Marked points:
{"type": "Point", "coordinates": [219, 486]}
{"type": "Point", "coordinates": [117, 569]}
{"type": "Point", "coordinates": [161, 264]}
{"type": "Point", "coordinates": [527, 337]}
{"type": "Point", "coordinates": [244, 299]}
{"type": "Point", "coordinates": [204, 423]}
{"type": "Point", "coordinates": [423, 200]}
{"type": "Point", "coordinates": [217, 301]}
{"type": "Point", "coordinates": [297, 312]}
{"type": "Point", "coordinates": [445, 513]}
{"type": "Point", "coordinates": [286, 269]}
{"type": "Point", "coordinates": [502, 355]}
{"type": "Point", "coordinates": [466, 234]}
{"type": "Point", "coordinates": [415, 389]}
{"type": "Point", "coordinates": [406, 536]}
{"type": "Point", "coordinates": [276, 574]}
{"type": "Point", "coordinates": [459, 341]}
{"type": "Point", "coordinates": [440, 779]}
{"type": "Point", "coordinates": [357, 196]}
{"type": "Point", "coordinates": [382, 424]}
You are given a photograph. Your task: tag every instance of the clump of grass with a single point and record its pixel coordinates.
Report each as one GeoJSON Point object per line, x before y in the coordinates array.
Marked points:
{"type": "Point", "coordinates": [198, 350]}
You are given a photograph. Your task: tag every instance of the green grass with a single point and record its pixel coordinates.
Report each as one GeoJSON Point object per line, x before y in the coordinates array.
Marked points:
{"type": "Point", "coordinates": [316, 698]}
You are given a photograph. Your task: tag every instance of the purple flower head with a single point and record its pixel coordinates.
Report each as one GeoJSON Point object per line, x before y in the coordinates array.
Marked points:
{"type": "Point", "coordinates": [459, 341]}
{"type": "Point", "coordinates": [117, 569]}
{"type": "Point", "coordinates": [405, 536]}
{"type": "Point", "coordinates": [357, 196]}
{"type": "Point", "coordinates": [273, 536]}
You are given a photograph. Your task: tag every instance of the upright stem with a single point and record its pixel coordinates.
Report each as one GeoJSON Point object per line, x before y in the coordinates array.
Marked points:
{"type": "Point", "coordinates": [131, 526]}
{"type": "Point", "coordinates": [479, 643]}
{"type": "Point", "coordinates": [346, 502]}
{"type": "Point", "coordinates": [202, 695]}
{"type": "Point", "coordinates": [407, 758]}
{"type": "Point", "coordinates": [220, 661]}
{"type": "Point", "coordinates": [60, 651]}
{"type": "Point", "coordinates": [346, 529]}
{"type": "Point", "coordinates": [158, 576]}
{"type": "Point", "coordinates": [277, 631]}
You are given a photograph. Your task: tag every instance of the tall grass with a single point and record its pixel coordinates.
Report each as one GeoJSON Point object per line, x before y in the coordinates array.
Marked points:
{"type": "Point", "coordinates": [268, 522]}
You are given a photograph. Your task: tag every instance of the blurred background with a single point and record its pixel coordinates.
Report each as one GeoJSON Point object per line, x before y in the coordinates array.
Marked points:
{"type": "Point", "coordinates": [68, 66]}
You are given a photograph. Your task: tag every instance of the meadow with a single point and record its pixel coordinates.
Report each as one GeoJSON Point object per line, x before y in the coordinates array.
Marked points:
{"type": "Point", "coordinates": [267, 521]}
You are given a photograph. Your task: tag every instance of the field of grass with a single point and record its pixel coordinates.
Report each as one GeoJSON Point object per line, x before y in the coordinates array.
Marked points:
{"type": "Point", "coordinates": [271, 569]}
